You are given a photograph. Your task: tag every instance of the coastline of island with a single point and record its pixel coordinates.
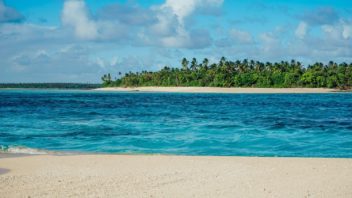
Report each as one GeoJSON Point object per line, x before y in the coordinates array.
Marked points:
{"type": "Point", "coordinates": [219, 90]}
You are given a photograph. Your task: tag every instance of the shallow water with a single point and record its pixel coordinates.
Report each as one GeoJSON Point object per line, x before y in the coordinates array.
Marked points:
{"type": "Point", "coordinates": [300, 125]}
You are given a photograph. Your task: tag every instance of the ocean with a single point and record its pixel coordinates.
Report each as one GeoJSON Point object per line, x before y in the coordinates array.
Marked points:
{"type": "Point", "coordinates": [285, 125]}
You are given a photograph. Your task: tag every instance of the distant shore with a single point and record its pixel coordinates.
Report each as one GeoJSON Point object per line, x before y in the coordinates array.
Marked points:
{"type": "Point", "coordinates": [219, 90]}
{"type": "Point", "coordinates": [173, 176]}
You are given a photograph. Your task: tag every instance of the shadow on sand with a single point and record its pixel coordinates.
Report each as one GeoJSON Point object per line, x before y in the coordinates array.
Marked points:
{"type": "Point", "coordinates": [3, 171]}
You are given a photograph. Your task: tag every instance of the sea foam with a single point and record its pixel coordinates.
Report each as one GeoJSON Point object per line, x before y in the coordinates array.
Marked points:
{"type": "Point", "coordinates": [21, 150]}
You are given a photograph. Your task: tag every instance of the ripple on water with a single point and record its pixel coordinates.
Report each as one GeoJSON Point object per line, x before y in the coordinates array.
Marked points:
{"type": "Point", "coordinates": [304, 125]}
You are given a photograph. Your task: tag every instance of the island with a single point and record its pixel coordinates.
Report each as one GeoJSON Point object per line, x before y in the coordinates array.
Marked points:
{"type": "Point", "coordinates": [238, 74]}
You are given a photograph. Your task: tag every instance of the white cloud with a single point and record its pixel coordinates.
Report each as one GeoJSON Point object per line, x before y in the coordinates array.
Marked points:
{"type": "Point", "coordinates": [184, 8]}
{"type": "Point", "coordinates": [340, 31]}
{"type": "Point", "coordinates": [169, 29]}
{"type": "Point", "coordinates": [167, 24]}
{"type": "Point", "coordinates": [180, 8]}
{"type": "Point", "coordinates": [171, 21]}
{"type": "Point", "coordinates": [301, 30]}
{"type": "Point", "coordinates": [127, 41]}
{"type": "Point", "coordinates": [76, 15]}
{"type": "Point", "coordinates": [269, 38]}
{"type": "Point", "coordinates": [241, 37]}
{"type": "Point", "coordinates": [347, 31]}
{"type": "Point", "coordinates": [332, 44]}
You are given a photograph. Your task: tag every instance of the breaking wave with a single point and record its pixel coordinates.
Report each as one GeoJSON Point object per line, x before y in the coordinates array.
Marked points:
{"type": "Point", "coordinates": [22, 150]}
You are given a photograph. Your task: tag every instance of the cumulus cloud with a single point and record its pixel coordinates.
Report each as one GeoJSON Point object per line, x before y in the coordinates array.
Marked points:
{"type": "Point", "coordinates": [171, 23]}
{"type": "Point", "coordinates": [301, 30]}
{"type": "Point", "coordinates": [167, 24]}
{"type": "Point", "coordinates": [131, 37]}
{"type": "Point", "coordinates": [184, 8]}
{"type": "Point", "coordinates": [44, 53]}
{"type": "Point", "coordinates": [76, 15]}
{"type": "Point", "coordinates": [242, 37]}
{"type": "Point", "coordinates": [60, 63]}
{"type": "Point", "coordinates": [347, 30]}
{"type": "Point", "coordinates": [338, 36]}
{"type": "Point", "coordinates": [332, 31]}
{"type": "Point", "coordinates": [271, 44]}
{"type": "Point", "coordinates": [331, 44]}
{"type": "Point", "coordinates": [163, 25]}
{"type": "Point", "coordinates": [332, 41]}
{"type": "Point", "coordinates": [8, 14]}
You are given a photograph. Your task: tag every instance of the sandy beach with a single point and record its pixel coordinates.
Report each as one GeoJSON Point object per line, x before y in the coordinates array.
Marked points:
{"type": "Point", "coordinates": [218, 90]}
{"type": "Point", "coordinates": [173, 176]}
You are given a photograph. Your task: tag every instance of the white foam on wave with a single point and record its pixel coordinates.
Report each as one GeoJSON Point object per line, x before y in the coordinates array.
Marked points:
{"type": "Point", "coordinates": [21, 150]}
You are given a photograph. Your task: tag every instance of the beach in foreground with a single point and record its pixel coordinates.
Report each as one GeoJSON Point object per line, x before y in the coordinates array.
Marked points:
{"type": "Point", "coordinates": [173, 176]}
{"type": "Point", "coordinates": [219, 90]}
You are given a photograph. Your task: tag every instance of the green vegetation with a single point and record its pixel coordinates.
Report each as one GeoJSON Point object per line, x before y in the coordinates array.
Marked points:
{"type": "Point", "coordinates": [241, 74]}
{"type": "Point", "coordinates": [50, 85]}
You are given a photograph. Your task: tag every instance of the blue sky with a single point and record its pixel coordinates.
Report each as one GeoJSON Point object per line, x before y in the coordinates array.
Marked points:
{"type": "Point", "coordinates": [79, 40]}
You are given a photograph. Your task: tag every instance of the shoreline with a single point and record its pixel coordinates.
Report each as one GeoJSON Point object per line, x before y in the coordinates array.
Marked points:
{"type": "Point", "coordinates": [20, 151]}
{"type": "Point", "coordinates": [228, 90]}
{"type": "Point", "coordinates": [174, 176]}
{"type": "Point", "coordinates": [219, 90]}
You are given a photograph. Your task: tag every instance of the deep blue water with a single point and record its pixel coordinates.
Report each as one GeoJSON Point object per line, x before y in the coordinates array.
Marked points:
{"type": "Point", "coordinates": [300, 125]}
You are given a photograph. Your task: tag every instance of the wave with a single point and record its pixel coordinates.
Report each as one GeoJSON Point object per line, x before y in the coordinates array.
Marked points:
{"type": "Point", "coordinates": [21, 150]}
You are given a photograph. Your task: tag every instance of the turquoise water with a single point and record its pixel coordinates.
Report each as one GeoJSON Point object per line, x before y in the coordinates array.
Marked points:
{"type": "Point", "coordinates": [300, 125]}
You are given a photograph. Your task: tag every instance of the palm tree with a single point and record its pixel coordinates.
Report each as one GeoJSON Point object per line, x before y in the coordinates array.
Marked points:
{"type": "Point", "coordinates": [185, 63]}
{"type": "Point", "coordinates": [194, 64]}
{"type": "Point", "coordinates": [205, 63]}
{"type": "Point", "coordinates": [106, 79]}
{"type": "Point", "coordinates": [222, 61]}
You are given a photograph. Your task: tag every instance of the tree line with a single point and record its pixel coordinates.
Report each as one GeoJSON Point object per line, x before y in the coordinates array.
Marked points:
{"type": "Point", "coordinates": [245, 73]}
{"type": "Point", "coordinates": [50, 85]}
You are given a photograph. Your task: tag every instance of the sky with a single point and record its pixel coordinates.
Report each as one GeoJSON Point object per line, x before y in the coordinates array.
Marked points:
{"type": "Point", "coordinates": [80, 40]}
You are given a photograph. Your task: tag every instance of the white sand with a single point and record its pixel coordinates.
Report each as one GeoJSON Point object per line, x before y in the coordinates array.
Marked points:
{"type": "Point", "coordinates": [219, 90]}
{"type": "Point", "coordinates": [174, 176]}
